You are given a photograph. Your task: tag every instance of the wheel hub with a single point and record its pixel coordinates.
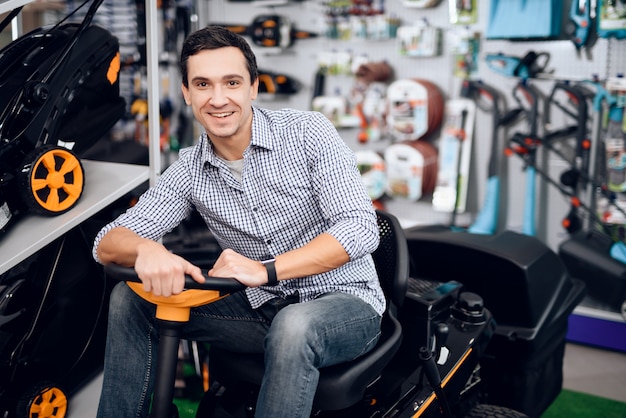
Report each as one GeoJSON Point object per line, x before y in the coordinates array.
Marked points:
{"type": "Point", "coordinates": [55, 180]}
{"type": "Point", "coordinates": [46, 409]}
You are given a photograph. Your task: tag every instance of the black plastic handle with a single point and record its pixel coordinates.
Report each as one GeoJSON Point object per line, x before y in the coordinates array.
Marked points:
{"type": "Point", "coordinates": [222, 284]}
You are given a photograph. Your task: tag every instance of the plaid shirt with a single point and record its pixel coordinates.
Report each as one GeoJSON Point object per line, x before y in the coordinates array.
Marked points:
{"type": "Point", "coordinates": [299, 180]}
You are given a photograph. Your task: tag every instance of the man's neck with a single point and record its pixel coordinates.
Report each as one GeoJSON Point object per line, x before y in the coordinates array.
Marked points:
{"type": "Point", "coordinates": [230, 149]}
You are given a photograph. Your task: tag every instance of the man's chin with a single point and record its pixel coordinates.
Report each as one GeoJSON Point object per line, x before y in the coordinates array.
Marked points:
{"type": "Point", "coordinates": [221, 132]}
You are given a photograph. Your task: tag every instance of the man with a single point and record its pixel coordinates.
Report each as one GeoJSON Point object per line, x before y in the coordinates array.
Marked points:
{"type": "Point", "coordinates": [270, 185]}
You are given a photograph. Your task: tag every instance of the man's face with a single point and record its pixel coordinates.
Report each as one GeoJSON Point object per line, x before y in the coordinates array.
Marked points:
{"type": "Point", "coordinates": [220, 93]}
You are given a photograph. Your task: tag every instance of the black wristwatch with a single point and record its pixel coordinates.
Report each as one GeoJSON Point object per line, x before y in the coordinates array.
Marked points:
{"type": "Point", "coordinates": [272, 280]}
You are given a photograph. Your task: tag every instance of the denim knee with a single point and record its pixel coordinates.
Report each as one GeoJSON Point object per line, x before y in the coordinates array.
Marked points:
{"type": "Point", "coordinates": [119, 298]}
{"type": "Point", "coordinates": [125, 304]}
{"type": "Point", "coordinates": [291, 331]}
{"type": "Point", "coordinates": [330, 329]}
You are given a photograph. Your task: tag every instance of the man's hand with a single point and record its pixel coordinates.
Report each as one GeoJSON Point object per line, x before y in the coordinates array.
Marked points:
{"type": "Point", "coordinates": [232, 264]}
{"type": "Point", "coordinates": [162, 272]}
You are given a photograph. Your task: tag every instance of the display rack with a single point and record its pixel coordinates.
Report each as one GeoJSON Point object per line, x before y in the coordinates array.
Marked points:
{"type": "Point", "coordinates": [105, 182]}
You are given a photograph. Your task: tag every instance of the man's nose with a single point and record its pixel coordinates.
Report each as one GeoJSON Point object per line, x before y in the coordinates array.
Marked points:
{"type": "Point", "coordinates": [219, 97]}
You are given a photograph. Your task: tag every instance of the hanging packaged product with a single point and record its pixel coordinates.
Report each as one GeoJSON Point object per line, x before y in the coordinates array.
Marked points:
{"type": "Point", "coordinates": [615, 139]}
{"type": "Point", "coordinates": [335, 109]}
{"type": "Point", "coordinates": [273, 83]}
{"type": "Point", "coordinates": [463, 12]}
{"type": "Point", "coordinates": [411, 169]}
{"type": "Point", "coordinates": [455, 147]}
{"type": "Point", "coordinates": [615, 152]}
{"type": "Point", "coordinates": [530, 65]}
{"type": "Point", "coordinates": [420, 4]}
{"type": "Point", "coordinates": [371, 112]}
{"type": "Point", "coordinates": [581, 27]}
{"type": "Point", "coordinates": [272, 32]}
{"type": "Point", "coordinates": [524, 19]}
{"type": "Point", "coordinates": [372, 168]}
{"type": "Point", "coordinates": [414, 109]}
{"type": "Point", "coordinates": [611, 19]}
{"type": "Point", "coordinates": [465, 47]}
{"type": "Point", "coordinates": [419, 40]}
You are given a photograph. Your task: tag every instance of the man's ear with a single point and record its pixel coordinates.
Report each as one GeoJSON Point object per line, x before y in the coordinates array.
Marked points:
{"type": "Point", "coordinates": [185, 91]}
{"type": "Point", "coordinates": [255, 89]}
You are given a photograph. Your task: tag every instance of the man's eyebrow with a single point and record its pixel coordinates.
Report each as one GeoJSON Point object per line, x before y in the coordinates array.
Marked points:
{"type": "Point", "coordinates": [230, 77]}
{"type": "Point", "coordinates": [226, 77]}
{"type": "Point", "coordinates": [198, 79]}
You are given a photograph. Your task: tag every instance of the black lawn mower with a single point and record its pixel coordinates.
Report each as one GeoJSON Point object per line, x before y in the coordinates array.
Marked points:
{"type": "Point", "coordinates": [53, 317]}
{"type": "Point", "coordinates": [59, 94]}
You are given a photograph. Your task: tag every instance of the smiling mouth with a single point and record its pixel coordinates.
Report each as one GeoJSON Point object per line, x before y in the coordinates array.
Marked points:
{"type": "Point", "coordinates": [221, 115]}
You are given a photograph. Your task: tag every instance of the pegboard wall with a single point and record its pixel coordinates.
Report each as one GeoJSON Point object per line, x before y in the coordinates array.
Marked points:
{"type": "Point", "coordinates": [302, 59]}
{"type": "Point", "coordinates": [606, 58]}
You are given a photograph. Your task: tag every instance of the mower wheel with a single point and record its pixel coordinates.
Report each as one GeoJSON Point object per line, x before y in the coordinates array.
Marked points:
{"type": "Point", "coordinates": [493, 411]}
{"type": "Point", "coordinates": [52, 180]}
{"type": "Point", "coordinates": [42, 400]}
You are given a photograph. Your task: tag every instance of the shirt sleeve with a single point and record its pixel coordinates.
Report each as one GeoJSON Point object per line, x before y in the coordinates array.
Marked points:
{"type": "Point", "coordinates": [342, 195]}
{"type": "Point", "coordinates": [159, 210]}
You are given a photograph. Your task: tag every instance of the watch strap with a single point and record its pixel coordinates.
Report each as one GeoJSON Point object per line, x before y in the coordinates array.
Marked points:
{"type": "Point", "coordinates": [272, 279]}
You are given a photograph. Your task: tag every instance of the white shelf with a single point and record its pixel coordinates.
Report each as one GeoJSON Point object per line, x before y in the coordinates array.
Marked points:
{"type": "Point", "coordinates": [598, 314]}
{"type": "Point", "coordinates": [8, 5]}
{"type": "Point", "coordinates": [105, 182]}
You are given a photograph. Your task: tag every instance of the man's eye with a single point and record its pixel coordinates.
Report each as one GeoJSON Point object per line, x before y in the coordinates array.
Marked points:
{"type": "Point", "coordinates": [233, 83]}
{"type": "Point", "coordinates": [201, 84]}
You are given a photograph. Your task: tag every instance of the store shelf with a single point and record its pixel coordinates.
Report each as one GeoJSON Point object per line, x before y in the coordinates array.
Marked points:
{"type": "Point", "coordinates": [599, 313]}
{"type": "Point", "coordinates": [598, 328]}
{"type": "Point", "coordinates": [105, 182]}
{"type": "Point", "coordinates": [8, 5]}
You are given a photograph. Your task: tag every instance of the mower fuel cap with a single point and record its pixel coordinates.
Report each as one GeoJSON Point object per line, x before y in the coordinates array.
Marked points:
{"type": "Point", "coordinates": [469, 308]}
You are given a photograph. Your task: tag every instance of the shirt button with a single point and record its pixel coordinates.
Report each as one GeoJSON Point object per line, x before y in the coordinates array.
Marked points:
{"type": "Point", "coordinates": [255, 209]}
{"type": "Point", "coordinates": [268, 242]}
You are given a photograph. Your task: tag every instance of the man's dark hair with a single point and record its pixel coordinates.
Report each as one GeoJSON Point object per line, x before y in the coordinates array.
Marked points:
{"type": "Point", "coordinates": [214, 37]}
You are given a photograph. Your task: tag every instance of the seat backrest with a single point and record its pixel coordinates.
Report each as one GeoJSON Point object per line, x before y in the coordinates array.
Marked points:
{"type": "Point", "coordinates": [392, 258]}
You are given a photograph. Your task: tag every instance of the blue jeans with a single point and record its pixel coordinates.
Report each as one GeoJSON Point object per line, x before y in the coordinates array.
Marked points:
{"type": "Point", "coordinates": [297, 338]}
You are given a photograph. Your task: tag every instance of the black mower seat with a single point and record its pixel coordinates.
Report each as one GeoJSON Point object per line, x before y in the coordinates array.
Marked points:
{"type": "Point", "coordinates": [342, 385]}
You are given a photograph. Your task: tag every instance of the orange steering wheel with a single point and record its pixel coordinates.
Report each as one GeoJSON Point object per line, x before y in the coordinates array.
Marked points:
{"type": "Point", "coordinates": [177, 307]}
{"type": "Point", "coordinates": [172, 313]}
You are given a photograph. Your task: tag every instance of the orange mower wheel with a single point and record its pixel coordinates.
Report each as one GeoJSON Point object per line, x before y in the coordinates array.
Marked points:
{"type": "Point", "coordinates": [43, 400]}
{"type": "Point", "coordinates": [52, 180]}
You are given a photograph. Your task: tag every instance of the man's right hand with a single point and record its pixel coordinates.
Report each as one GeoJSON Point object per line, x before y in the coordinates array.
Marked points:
{"type": "Point", "coordinates": [162, 272]}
